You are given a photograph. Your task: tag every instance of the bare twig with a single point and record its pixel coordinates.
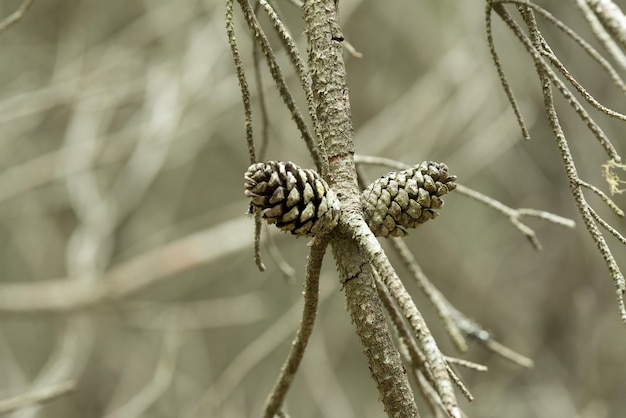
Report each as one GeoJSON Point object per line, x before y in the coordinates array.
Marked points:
{"type": "Point", "coordinates": [368, 243]}
{"type": "Point", "coordinates": [568, 161]}
{"type": "Point", "coordinates": [590, 50]}
{"type": "Point", "coordinates": [249, 357]}
{"type": "Point", "coordinates": [437, 298]}
{"type": "Point", "coordinates": [277, 75]}
{"type": "Point", "coordinates": [303, 73]}
{"type": "Point", "coordinates": [601, 33]}
{"type": "Point", "coordinates": [257, 242]}
{"type": "Point", "coordinates": [535, 51]}
{"type": "Point", "coordinates": [502, 76]}
{"type": "Point", "coordinates": [612, 18]}
{"type": "Point", "coordinates": [466, 363]}
{"type": "Point", "coordinates": [514, 215]}
{"type": "Point", "coordinates": [260, 91]}
{"type": "Point", "coordinates": [311, 289]}
{"type": "Point", "coordinates": [243, 82]}
{"type": "Point", "coordinates": [16, 16]}
{"type": "Point", "coordinates": [477, 332]}
{"type": "Point", "coordinates": [247, 106]}
{"type": "Point", "coordinates": [288, 271]}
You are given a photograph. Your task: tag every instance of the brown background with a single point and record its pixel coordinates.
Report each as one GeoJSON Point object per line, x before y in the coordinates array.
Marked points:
{"type": "Point", "coordinates": [139, 98]}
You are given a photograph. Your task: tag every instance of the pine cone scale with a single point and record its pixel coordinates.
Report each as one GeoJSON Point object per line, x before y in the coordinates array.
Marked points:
{"type": "Point", "coordinates": [294, 199]}
{"type": "Point", "coordinates": [406, 199]}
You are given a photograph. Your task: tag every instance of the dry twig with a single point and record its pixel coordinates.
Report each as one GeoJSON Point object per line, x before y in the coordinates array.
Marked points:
{"type": "Point", "coordinates": [311, 289]}
{"type": "Point", "coordinates": [16, 16]}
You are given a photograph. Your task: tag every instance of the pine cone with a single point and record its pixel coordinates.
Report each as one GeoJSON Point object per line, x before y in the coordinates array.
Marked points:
{"type": "Point", "coordinates": [293, 198]}
{"type": "Point", "coordinates": [406, 199]}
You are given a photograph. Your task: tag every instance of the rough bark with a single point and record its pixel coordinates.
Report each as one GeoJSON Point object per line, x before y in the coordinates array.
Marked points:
{"type": "Point", "coordinates": [335, 136]}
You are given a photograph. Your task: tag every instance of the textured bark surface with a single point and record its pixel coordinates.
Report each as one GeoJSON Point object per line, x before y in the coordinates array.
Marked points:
{"type": "Point", "coordinates": [336, 138]}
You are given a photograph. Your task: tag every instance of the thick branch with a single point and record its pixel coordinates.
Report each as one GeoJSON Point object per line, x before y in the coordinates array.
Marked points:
{"type": "Point", "coordinates": [368, 318]}
{"type": "Point", "coordinates": [335, 133]}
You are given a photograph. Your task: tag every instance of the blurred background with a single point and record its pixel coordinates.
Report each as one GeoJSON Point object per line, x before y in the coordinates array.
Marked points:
{"type": "Point", "coordinates": [126, 259]}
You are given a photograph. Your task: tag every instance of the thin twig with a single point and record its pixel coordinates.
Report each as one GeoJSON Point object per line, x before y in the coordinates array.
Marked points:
{"type": "Point", "coordinates": [288, 271]}
{"type": "Point", "coordinates": [16, 16]}
{"type": "Point", "coordinates": [600, 31]}
{"type": "Point", "coordinates": [466, 363]}
{"type": "Point", "coordinates": [243, 82]}
{"type": "Point", "coordinates": [502, 76]}
{"type": "Point", "coordinates": [260, 92]}
{"type": "Point", "coordinates": [508, 354]}
{"type": "Point", "coordinates": [590, 50]}
{"type": "Point", "coordinates": [514, 215]}
{"type": "Point", "coordinates": [276, 397]}
{"type": "Point", "coordinates": [257, 242]}
{"type": "Point", "coordinates": [609, 202]}
{"type": "Point", "coordinates": [370, 245]}
{"type": "Point", "coordinates": [568, 161]}
{"type": "Point", "coordinates": [403, 331]}
{"type": "Point", "coordinates": [249, 357]}
{"type": "Point", "coordinates": [604, 224]}
{"type": "Point", "coordinates": [476, 331]}
{"type": "Point", "coordinates": [437, 298]}
{"type": "Point", "coordinates": [534, 51]}
{"type": "Point", "coordinates": [303, 73]}
{"type": "Point", "coordinates": [459, 383]}
{"type": "Point", "coordinates": [276, 72]}
{"type": "Point", "coordinates": [247, 106]}
{"type": "Point", "coordinates": [612, 19]}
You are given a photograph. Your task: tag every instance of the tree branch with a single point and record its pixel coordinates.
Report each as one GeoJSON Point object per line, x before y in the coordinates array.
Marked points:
{"type": "Point", "coordinates": [335, 134]}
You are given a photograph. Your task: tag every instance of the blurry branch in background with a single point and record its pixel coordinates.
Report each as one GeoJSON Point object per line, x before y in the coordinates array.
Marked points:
{"type": "Point", "coordinates": [161, 380]}
{"type": "Point", "coordinates": [598, 15]}
{"type": "Point", "coordinates": [608, 23]}
{"type": "Point", "coordinates": [204, 314]}
{"type": "Point", "coordinates": [14, 17]}
{"type": "Point", "coordinates": [254, 352]}
{"type": "Point", "coordinates": [128, 277]}
{"type": "Point", "coordinates": [544, 58]}
{"type": "Point", "coordinates": [36, 396]}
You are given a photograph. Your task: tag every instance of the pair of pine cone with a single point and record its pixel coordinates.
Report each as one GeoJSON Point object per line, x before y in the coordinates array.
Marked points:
{"type": "Point", "coordinates": [300, 201]}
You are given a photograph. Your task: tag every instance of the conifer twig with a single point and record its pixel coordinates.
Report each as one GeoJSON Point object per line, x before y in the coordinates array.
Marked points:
{"type": "Point", "coordinates": [247, 106]}
{"type": "Point", "coordinates": [279, 80]}
{"type": "Point", "coordinates": [303, 73]}
{"type": "Point", "coordinates": [514, 215]}
{"type": "Point", "coordinates": [568, 161]}
{"type": "Point", "coordinates": [311, 295]}
{"type": "Point", "coordinates": [612, 18]}
{"type": "Point", "coordinates": [336, 131]}
{"type": "Point", "coordinates": [534, 50]}
{"type": "Point", "coordinates": [437, 298]}
{"type": "Point", "coordinates": [601, 33]}
{"type": "Point", "coordinates": [502, 76]}
{"type": "Point", "coordinates": [434, 358]}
